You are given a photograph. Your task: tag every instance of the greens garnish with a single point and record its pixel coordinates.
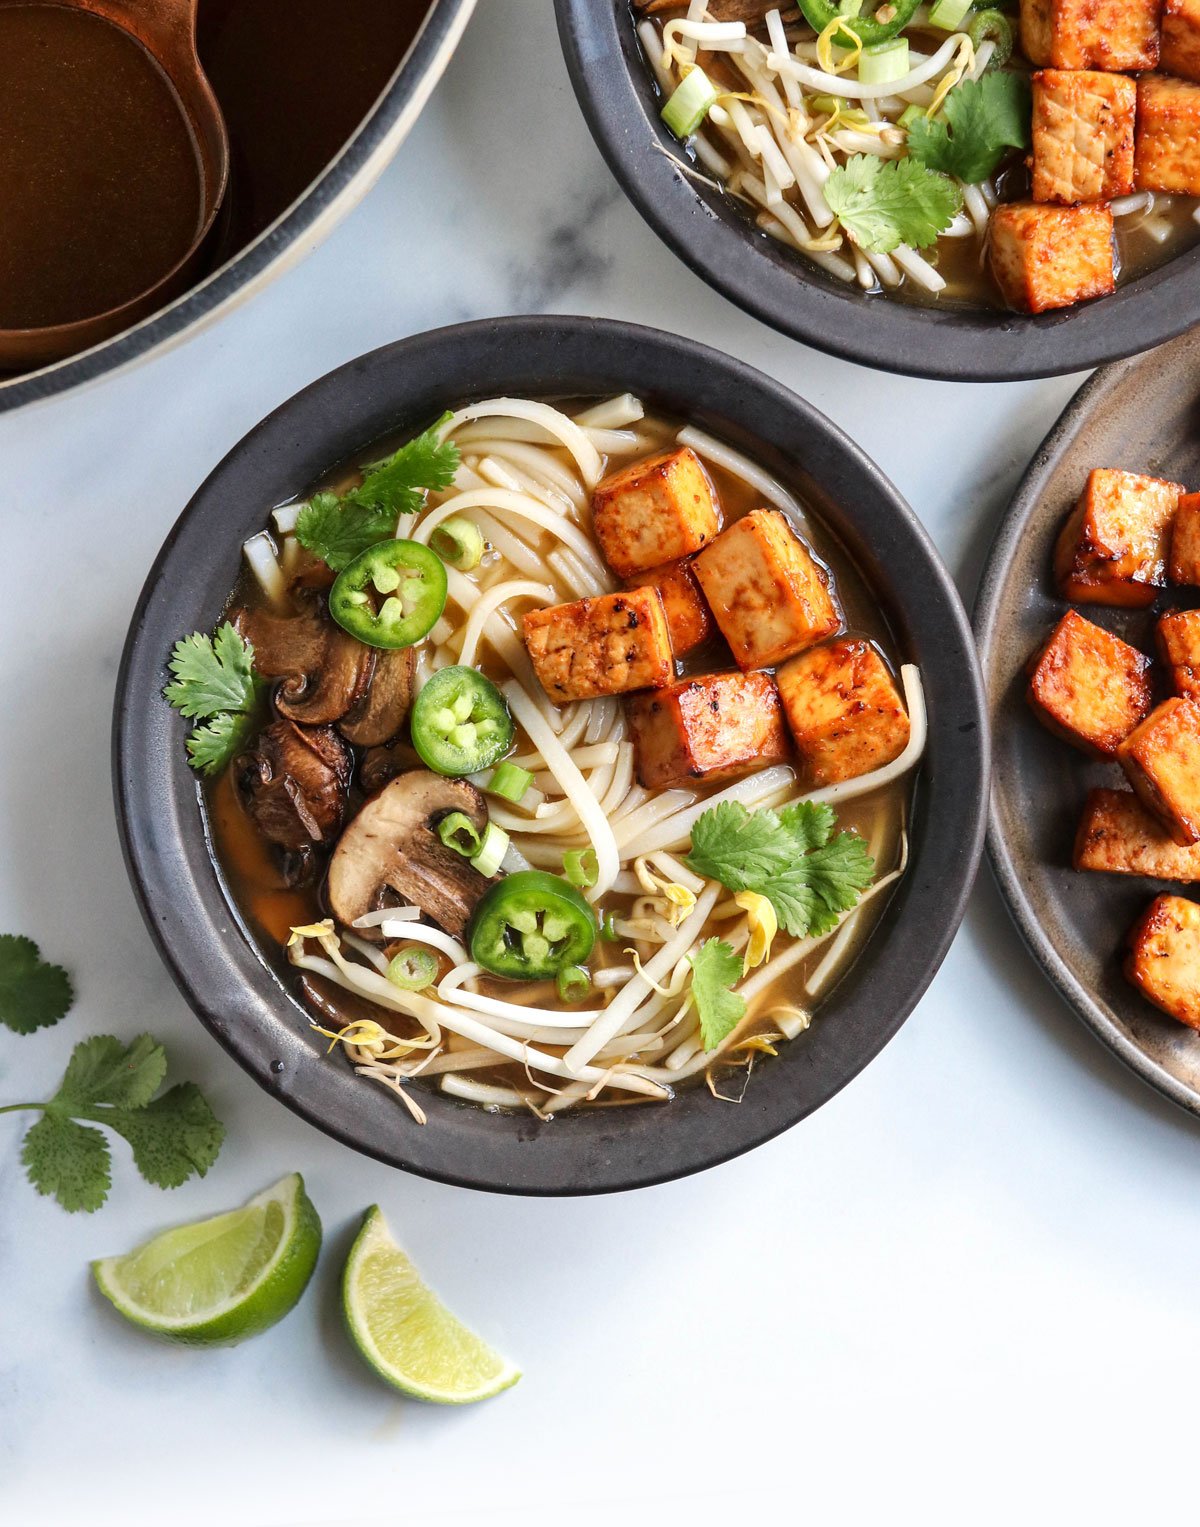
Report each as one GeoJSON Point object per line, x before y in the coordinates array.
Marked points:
{"type": "Point", "coordinates": [716, 970]}
{"type": "Point", "coordinates": [215, 682]}
{"type": "Point", "coordinates": [979, 122]}
{"type": "Point", "coordinates": [883, 203]}
{"type": "Point", "coordinates": [33, 994]}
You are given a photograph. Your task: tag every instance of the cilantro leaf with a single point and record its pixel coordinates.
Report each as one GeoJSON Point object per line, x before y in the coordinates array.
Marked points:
{"type": "Point", "coordinates": [103, 1070]}
{"type": "Point", "coordinates": [338, 529]}
{"type": "Point", "coordinates": [69, 1162]}
{"type": "Point", "coordinates": [883, 203]}
{"type": "Point", "coordinates": [716, 970]}
{"type": "Point", "coordinates": [730, 841]}
{"type": "Point", "coordinates": [980, 121]}
{"type": "Point", "coordinates": [810, 897]}
{"type": "Point", "coordinates": [173, 1137]}
{"type": "Point", "coordinates": [33, 994]}
{"type": "Point", "coordinates": [219, 741]}
{"type": "Point", "coordinates": [213, 674]}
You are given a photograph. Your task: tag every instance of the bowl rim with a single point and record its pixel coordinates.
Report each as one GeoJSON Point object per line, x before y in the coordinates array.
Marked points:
{"type": "Point", "coordinates": [711, 235]}
{"type": "Point", "coordinates": [314, 212]}
{"type": "Point", "coordinates": [196, 927]}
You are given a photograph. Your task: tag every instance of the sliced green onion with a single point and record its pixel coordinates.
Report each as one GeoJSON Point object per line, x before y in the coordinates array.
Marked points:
{"type": "Point", "coordinates": [509, 781]}
{"type": "Point", "coordinates": [994, 27]}
{"type": "Point", "coordinates": [413, 969]}
{"type": "Point", "coordinates": [884, 62]}
{"type": "Point", "coordinates": [573, 983]}
{"type": "Point", "coordinates": [948, 15]}
{"type": "Point", "coordinates": [581, 867]}
{"type": "Point", "coordinates": [458, 542]}
{"type": "Point", "coordinates": [909, 115]}
{"type": "Point", "coordinates": [850, 8]}
{"type": "Point", "coordinates": [690, 103]}
{"type": "Point", "coordinates": [457, 831]}
{"type": "Point", "coordinates": [492, 850]}
{"type": "Point", "coordinates": [608, 928]}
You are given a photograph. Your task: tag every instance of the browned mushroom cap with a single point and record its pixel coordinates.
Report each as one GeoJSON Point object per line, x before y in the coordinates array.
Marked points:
{"type": "Point", "coordinates": [294, 784]}
{"type": "Point", "coordinates": [382, 711]}
{"type": "Point", "coordinates": [324, 669]}
{"type": "Point", "coordinates": [381, 765]}
{"type": "Point", "coordinates": [391, 845]}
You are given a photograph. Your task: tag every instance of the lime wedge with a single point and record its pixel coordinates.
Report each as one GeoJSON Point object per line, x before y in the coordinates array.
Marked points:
{"type": "Point", "coordinates": [404, 1331]}
{"type": "Point", "coordinates": [223, 1279]}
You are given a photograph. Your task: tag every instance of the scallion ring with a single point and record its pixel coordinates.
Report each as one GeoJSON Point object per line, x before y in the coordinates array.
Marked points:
{"type": "Point", "coordinates": [413, 969]}
{"type": "Point", "coordinates": [573, 984]}
{"type": "Point", "coordinates": [457, 831]}
{"type": "Point", "coordinates": [994, 27]}
{"type": "Point", "coordinates": [459, 543]}
{"type": "Point", "coordinates": [581, 867]}
{"type": "Point", "coordinates": [491, 851]}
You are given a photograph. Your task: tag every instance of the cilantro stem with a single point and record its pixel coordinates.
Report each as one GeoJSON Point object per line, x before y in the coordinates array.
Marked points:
{"type": "Point", "coordinates": [15, 1107]}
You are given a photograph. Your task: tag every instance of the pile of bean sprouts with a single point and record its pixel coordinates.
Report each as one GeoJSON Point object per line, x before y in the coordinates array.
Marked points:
{"type": "Point", "coordinates": [526, 476]}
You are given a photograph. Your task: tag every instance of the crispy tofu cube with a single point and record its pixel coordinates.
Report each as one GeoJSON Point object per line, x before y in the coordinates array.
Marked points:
{"type": "Point", "coordinates": [708, 728]}
{"type": "Point", "coordinates": [689, 619]}
{"type": "Point", "coordinates": [1161, 758]}
{"type": "Point", "coordinates": [844, 711]}
{"type": "Point", "coordinates": [1167, 153]}
{"type": "Point", "coordinates": [1164, 957]}
{"type": "Point", "coordinates": [603, 646]}
{"type": "Point", "coordinates": [1050, 257]}
{"type": "Point", "coordinates": [655, 511]}
{"type": "Point", "coordinates": [1113, 549]}
{"type": "Point", "coordinates": [1118, 836]}
{"type": "Point", "coordinates": [1181, 38]}
{"type": "Point", "coordinates": [1091, 34]}
{"type": "Point", "coordinates": [1082, 136]}
{"type": "Point", "coordinates": [768, 594]}
{"type": "Point", "coordinates": [1178, 636]}
{"type": "Point", "coordinates": [1089, 687]}
{"type": "Point", "coordinates": [1185, 541]}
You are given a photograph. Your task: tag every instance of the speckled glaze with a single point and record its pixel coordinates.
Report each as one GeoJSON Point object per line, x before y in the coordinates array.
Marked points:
{"type": "Point", "coordinates": [196, 928]}
{"type": "Point", "coordinates": [1140, 416]}
{"type": "Point", "coordinates": [710, 232]}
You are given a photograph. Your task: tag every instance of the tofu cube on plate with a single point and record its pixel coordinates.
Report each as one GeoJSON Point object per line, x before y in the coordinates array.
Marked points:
{"type": "Point", "coordinates": [1164, 957]}
{"type": "Point", "coordinates": [1113, 550]}
{"type": "Point", "coordinates": [655, 511]}
{"type": "Point", "coordinates": [689, 619]}
{"type": "Point", "coordinates": [1083, 125]}
{"type": "Point", "coordinates": [1161, 759]}
{"type": "Point", "coordinates": [1179, 646]}
{"type": "Point", "coordinates": [707, 728]}
{"type": "Point", "coordinates": [1091, 34]}
{"type": "Point", "coordinates": [1047, 257]}
{"type": "Point", "coordinates": [602, 646]}
{"type": "Point", "coordinates": [1185, 541]}
{"type": "Point", "coordinates": [1181, 38]}
{"type": "Point", "coordinates": [845, 714]}
{"type": "Point", "coordinates": [1089, 687]}
{"type": "Point", "coordinates": [1167, 153]}
{"type": "Point", "coordinates": [1118, 836]}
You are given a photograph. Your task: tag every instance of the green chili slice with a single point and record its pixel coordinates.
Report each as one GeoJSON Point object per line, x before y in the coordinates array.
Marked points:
{"type": "Point", "coordinates": [391, 595]}
{"type": "Point", "coordinates": [413, 969]}
{"type": "Point", "coordinates": [460, 722]}
{"type": "Point", "coordinates": [531, 925]}
{"type": "Point", "coordinates": [891, 17]}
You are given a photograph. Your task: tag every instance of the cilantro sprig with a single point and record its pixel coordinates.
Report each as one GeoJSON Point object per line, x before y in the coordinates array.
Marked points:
{"type": "Point", "coordinates": [33, 993]}
{"type": "Point", "coordinates": [883, 203]}
{"type": "Point", "coordinates": [809, 873]}
{"type": "Point", "coordinates": [174, 1135]}
{"type": "Point", "coordinates": [980, 121]}
{"type": "Point", "coordinates": [716, 970]}
{"type": "Point", "coordinates": [339, 527]}
{"type": "Point", "coordinates": [214, 682]}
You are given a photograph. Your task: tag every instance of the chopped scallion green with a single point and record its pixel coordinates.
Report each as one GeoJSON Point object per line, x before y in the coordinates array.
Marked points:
{"type": "Point", "coordinates": [458, 542]}
{"type": "Point", "coordinates": [884, 62]}
{"type": "Point", "coordinates": [573, 983]}
{"type": "Point", "coordinates": [457, 831]}
{"type": "Point", "coordinates": [413, 969]}
{"type": "Point", "coordinates": [509, 781]}
{"type": "Point", "coordinates": [690, 103]}
{"type": "Point", "coordinates": [947, 15]}
{"type": "Point", "coordinates": [492, 850]}
{"type": "Point", "coordinates": [581, 868]}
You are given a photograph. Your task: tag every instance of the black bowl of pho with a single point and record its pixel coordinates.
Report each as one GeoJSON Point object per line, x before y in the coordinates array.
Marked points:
{"type": "Point", "coordinates": [942, 189]}
{"type": "Point", "coordinates": [550, 756]}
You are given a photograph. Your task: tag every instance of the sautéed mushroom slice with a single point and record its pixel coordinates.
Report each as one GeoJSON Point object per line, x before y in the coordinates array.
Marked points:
{"type": "Point", "coordinates": [294, 784]}
{"type": "Point", "coordinates": [324, 671]}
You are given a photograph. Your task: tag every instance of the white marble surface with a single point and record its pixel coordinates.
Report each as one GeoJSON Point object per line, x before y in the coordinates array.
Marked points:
{"type": "Point", "coordinates": [959, 1292]}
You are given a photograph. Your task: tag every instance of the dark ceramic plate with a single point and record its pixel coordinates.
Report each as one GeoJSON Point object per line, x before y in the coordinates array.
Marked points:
{"type": "Point", "coordinates": [198, 932]}
{"type": "Point", "coordinates": [709, 231]}
{"type": "Point", "coordinates": [1143, 416]}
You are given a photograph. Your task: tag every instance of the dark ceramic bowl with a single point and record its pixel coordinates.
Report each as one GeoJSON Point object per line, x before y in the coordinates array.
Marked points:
{"type": "Point", "coordinates": [710, 231]}
{"type": "Point", "coordinates": [198, 930]}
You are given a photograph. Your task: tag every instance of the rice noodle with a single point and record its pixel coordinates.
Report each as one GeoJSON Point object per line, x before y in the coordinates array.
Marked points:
{"type": "Point", "coordinates": [555, 424]}
{"type": "Point", "coordinates": [737, 465]}
{"type": "Point", "coordinates": [489, 604]}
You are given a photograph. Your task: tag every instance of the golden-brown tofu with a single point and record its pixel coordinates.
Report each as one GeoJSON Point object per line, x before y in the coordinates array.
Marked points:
{"type": "Point", "coordinates": [1118, 836]}
{"type": "Point", "coordinates": [1167, 153]}
{"type": "Point", "coordinates": [1181, 38]}
{"type": "Point", "coordinates": [603, 646]}
{"type": "Point", "coordinates": [1050, 257]}
{"type": "Point", "coordinates": [768, 594]}
{"type": "Point", "coordinates": [689, 619]}
{"type": "Point", "coordinates": [1161, 759]}
{"type": "Point", "coordinates": [655, 511]}
{"type": "Point", "coordinates": [1178, 637]}
{"type": "Point", "coordinates": [1164, 957]}
{"type": "Point", "coordinates": [1091, 34]}
{"type": "Point", "coordinates": [1082, 136]}
{"type": "Point", "coordinates": [1113, 550]}
{"type": "Point", "coordinates": [842, 706]}
{"type": "Point", "coordinates": [1185, 541]}
{"type": "Point", "coordinates": [707, 728]}
{"type": "Point", "coordinates": [1089, 687]}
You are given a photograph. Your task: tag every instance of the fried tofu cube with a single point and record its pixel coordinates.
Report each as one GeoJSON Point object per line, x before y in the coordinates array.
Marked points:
{"type": "Point", "coordinates": [844, 711]}
{"type": "Point", "coordinates": [689, 619]}
{"type": "Point", "coordinates": [1185, 541]}
{"type": "Point", "coordinates": [1167, 152]}
{"type": "Point", "coordinates": [1082, 136]}
{"type": "Point", "coordinates": [707, 728]}
{"type": "Point", "coordinates": [655, 511]}
{"type": "Point", "coordinates": [1181, 38]}
{"type": "Point", "coordinates": [1178, 637]}
{"type": "Point", "coordinates": [603, 646]}
{"type": "Point", "coordinates": [1113, 550]}
{"type": "Point", "coordinates": [1161, 759]}
{"type": "Point", "coordinates": [1051, 257]}
{"type": "Point", "coordinates": [1089, 687]}
{"type": "Point", "coordinates": [1118, 836]}
{"type": "Point", "coordinates": [1164, 957]}
{"type": "Point", "coordinates": [1091, 34]}
{"type": "Point", "coordinates": [769, 595]}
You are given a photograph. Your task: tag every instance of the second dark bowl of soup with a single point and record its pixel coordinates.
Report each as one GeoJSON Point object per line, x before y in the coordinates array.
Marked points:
{"type": "Point", "coordinates": [965, 332]}
{"type": "Point", "coordinates": [549, 419]}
